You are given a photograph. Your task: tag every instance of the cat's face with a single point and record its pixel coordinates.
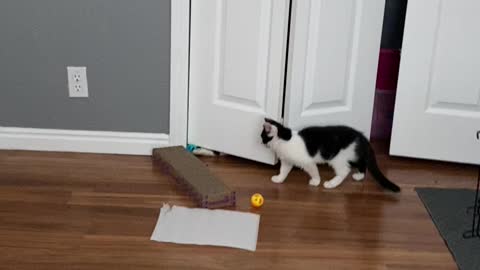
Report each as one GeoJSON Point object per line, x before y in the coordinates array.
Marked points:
{"type": "Point", "coordinates": [274, 131]}
{"type": "Point", "coordinates": [269, 132]}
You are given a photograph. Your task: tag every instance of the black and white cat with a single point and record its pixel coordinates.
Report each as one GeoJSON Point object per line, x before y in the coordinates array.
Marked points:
{"type": "Point", "coordinates": [341, 147]}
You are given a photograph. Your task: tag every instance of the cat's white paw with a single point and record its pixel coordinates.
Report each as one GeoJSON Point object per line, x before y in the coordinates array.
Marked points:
{"type": "Point", "coordinates": [277, 179]}
{"type": "Point", "coordinates": [331, 184]}
{"type": "Point", "coordinates": [314, 182]}
{"type": "Point", "coordinates": [358, 176]}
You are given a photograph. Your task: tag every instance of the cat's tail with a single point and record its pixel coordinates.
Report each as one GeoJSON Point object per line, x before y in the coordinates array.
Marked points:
{"type": "Point", "coordinates": [377, 174]}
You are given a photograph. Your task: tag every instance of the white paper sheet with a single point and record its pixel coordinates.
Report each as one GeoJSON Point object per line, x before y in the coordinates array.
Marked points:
{"type": "Point", "coordinates": [207, 227]}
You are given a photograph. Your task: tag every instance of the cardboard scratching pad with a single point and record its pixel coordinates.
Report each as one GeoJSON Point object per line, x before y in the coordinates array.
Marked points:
{"type": "Point", "coordinates": [194, 177]}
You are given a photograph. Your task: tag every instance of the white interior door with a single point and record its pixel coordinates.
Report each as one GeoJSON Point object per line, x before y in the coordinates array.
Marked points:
{"type": "Point", "coordinates": [333, 62]}
{"type": "Point", "coordinates": [437, 111]}
{"type": "Point", "coordinates": [237, 55]}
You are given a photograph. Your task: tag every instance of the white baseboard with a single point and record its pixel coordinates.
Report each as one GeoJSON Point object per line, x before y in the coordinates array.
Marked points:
{"type": "Point", "coordinates": [59, 140]}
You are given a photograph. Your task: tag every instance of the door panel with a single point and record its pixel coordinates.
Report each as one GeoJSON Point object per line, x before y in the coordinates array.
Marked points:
{"type": "Point", "coordinates": [333, 62]}
{"type": "Point", "coordinates": [437, 112]}
{"type": "Point", "coordinates": [237, 57]}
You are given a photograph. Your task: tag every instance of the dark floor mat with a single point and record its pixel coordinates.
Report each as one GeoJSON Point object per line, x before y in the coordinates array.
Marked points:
{"type": "Point", "coordinates": [447, 207]}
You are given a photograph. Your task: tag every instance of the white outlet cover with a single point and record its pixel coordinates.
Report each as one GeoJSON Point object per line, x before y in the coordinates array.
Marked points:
{"type": "Point", "coordinates": [77, 81]}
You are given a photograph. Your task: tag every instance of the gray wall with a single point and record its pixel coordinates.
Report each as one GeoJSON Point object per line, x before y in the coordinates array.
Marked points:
{"type": "Point", "coordinates": [125, 45]}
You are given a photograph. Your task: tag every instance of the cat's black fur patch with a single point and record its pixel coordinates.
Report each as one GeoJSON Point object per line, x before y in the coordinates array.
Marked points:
{"type": "Point", "coordinates": [328, 140]}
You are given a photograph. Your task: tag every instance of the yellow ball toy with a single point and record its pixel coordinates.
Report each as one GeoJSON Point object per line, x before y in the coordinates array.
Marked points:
{"type": "Point", "coordinates": [257, 200]}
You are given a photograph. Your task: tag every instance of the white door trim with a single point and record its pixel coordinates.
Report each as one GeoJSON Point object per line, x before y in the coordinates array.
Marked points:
{"type": "Point", "coordinates": [60, 140]}
{"type": "Point", "coordinates": [179, 69]}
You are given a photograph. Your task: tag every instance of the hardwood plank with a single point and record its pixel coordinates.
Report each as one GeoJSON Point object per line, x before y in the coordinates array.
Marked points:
{"type": "Point", "coordinates": [87, 211]}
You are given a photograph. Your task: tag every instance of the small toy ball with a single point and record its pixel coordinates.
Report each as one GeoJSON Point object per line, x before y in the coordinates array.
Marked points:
{"type": "Point", "coordinates": [257, 200]}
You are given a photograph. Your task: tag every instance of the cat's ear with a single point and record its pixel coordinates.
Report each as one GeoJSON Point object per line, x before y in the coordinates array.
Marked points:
{"type": "Point", "coordinates": [267, 127]}
{"type": "Point", "coordinates": [272, 122]}
{"type": "Point", "coordinates": [270, 129]}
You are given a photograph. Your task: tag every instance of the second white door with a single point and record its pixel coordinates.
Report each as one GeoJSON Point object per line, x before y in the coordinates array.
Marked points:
{"type": "Point", "coordinates": [237, 63]}
{"type": "Point", "coordinates": [437, 111]}
{"type": "Point", "coordinates": [334, 48]}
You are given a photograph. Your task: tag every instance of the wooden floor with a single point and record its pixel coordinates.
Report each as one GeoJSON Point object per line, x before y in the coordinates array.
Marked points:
{"type": "Point", "coordinates": [85, 211]}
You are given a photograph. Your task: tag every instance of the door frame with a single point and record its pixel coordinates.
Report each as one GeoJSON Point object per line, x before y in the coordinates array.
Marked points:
{"type": "Point", "coordinates": [179, 71]}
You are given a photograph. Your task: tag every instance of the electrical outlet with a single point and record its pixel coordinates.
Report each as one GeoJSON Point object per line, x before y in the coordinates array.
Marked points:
{"type": "Point", "coordinates": [77, 81]}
